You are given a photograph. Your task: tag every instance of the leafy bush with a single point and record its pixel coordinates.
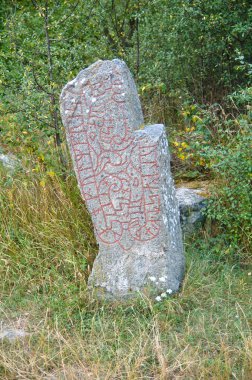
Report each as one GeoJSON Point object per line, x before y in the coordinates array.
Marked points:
{"type": "Point", "coordinates": [232, 195]}
{"type": "Point", "coordinates": [215, 142]}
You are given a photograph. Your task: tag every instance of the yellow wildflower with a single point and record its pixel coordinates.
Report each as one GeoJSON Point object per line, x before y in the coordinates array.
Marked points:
{"type": "Point", "coordinates": [196, 118]}
{"type": "Point", "coordinates": [184, 145]}
{"type": "Point", "coordinates": [202, 162]}
{"type": "Point", "coordinates": [51, 174]}
{"type": "Point", "coordinates": [42, 183]}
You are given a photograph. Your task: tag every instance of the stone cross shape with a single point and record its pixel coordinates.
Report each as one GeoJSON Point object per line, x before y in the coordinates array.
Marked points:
{"type": "Point", "coordinates": [124, 177]}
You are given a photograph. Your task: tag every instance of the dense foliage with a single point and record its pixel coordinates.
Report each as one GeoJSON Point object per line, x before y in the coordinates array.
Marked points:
{"type": "Point", "coordinates": [192, 60]}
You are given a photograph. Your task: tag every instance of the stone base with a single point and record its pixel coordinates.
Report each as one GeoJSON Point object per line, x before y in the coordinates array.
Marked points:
{"type": "Point", "coordinates": [122, 277]}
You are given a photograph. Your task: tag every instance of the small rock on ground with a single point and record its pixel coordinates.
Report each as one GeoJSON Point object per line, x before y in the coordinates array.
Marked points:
{"type": "Point", "coordinates": [191, 206]}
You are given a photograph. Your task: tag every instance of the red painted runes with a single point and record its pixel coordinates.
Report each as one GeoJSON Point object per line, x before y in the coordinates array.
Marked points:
{"type": "Point", "coordinates": [117, 168]}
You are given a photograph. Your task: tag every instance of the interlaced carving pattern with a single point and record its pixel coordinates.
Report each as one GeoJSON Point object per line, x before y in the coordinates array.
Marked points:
{"type": "Point", "coordinates": [117, 168]}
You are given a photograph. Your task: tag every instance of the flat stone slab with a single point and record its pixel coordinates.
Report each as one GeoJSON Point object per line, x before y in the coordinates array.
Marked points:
{"type": "Point", "coordinates": [12, 334]}
{"type": "Point", "coordinates": [123, 171]}
{"type": "Point", "coordinates": [9, 161]}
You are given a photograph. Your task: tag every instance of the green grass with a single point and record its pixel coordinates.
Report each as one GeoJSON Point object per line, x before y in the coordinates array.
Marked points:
{"type": "Point", "coordinates": [46, 251]}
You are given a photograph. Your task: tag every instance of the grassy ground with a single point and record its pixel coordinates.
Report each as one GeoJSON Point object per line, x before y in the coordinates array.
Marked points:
{"type": "Point", "coordinates": [46, 250]}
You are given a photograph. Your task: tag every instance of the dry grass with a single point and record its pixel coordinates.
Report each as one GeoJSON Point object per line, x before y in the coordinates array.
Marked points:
{"type": "Point", "coordinates": [46, 250]}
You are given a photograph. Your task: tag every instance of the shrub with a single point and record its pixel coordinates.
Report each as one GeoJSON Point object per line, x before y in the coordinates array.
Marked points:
{"type": "Point", "coordinates": [230, 203]}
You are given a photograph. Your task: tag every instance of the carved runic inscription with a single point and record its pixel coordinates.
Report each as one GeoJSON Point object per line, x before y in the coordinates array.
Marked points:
{"type": "Point", "coordinates": [123, 172]}
{"type": "Point", "coordinates": [118, 172]}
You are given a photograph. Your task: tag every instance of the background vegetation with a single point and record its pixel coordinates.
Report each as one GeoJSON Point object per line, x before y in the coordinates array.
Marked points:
{"type": "Point", "coordinates": [192, 61]}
